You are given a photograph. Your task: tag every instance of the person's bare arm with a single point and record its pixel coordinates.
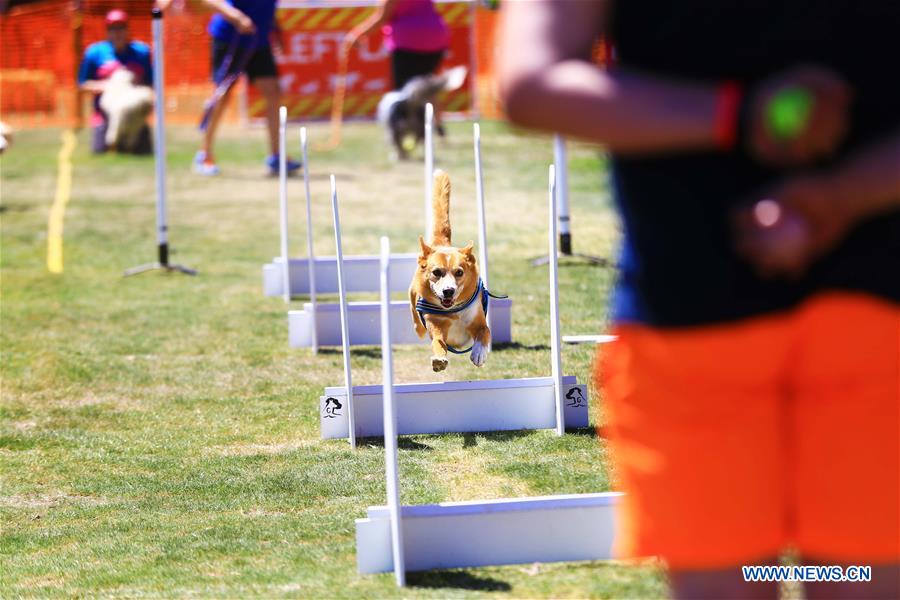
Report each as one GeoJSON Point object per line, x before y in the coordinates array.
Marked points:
{"type": "Point", "coordinates": [92, 86]}
{"type": "Point", "coordinates": [382, 14]}
{"type": "Point", "coordinates": [869, 182]}
{"type": "Point", "coordinates": [827, 205]}
{"type": "Point", "coordinates": [235, 16]}
{"type": "Point", "coordinates": [548, 82]}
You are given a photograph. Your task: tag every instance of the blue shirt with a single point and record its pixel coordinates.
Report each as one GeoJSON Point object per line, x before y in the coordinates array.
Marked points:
{"type": "Point", "coordinates": [261, 12]}
{"type": "Point", "coordinates": [101, 60]}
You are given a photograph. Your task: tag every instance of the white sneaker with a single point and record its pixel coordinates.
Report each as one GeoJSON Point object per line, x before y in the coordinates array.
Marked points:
{"type": "Point", "coordinates": [203, 166]}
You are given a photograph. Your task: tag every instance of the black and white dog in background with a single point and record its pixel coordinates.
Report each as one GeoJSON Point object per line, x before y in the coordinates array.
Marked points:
{"type": "Point", "coordinates": [402, 112]}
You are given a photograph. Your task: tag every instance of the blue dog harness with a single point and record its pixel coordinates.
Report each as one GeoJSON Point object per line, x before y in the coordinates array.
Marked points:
{"type": "Point", "coordinates": [427, 308]}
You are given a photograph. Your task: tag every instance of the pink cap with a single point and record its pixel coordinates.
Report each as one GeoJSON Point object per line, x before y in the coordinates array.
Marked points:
{"type": "Point", "coordinates": [116, 17]}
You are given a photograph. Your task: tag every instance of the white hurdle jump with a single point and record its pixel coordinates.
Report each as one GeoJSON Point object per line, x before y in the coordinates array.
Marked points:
{"type": "Point", "coordinates": [318, 274]}
{"type": "Point", "coordinates": [320, 323]}
{"type": "Point", "coordinates": [554, 402]}
{"type": "Point", "coordinates": [472, 534]}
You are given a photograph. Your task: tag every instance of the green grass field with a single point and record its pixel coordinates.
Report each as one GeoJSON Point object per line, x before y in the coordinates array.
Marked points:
{"type": "Point", "coordinates": [159, 438]}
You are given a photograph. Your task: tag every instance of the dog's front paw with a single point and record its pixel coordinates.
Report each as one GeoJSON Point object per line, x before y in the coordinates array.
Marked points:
{"type": "Point", "coordinates": [439, 363]}
{"type": "Point", "coordinates": [479, 354]}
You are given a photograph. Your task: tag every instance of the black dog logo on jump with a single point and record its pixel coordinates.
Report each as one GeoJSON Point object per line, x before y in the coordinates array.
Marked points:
{"type": "Point", "coordinates": [332, 406]}
{"type": "Point", "coordinates": [576, 398]}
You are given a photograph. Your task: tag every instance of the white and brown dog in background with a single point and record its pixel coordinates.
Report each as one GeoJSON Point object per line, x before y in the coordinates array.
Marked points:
{"type": "Point", "coordinates": [447, 280]}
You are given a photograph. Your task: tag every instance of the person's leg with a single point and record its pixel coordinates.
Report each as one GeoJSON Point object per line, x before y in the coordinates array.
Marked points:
{"type": "Point", "coordinates": [209, 135]}
{"type": "Point", "coordinates": [220, 54]}
{"type": "Point", "coordinates": [848, 447]}
{"type": "Point", "coordinates": [884, 585]}
{"type": "Point", "coordinates": [716, 584]}
{"type": "Point", "coordinates": [98, 138]}
{"type": "Point", "coordinates": [144, 144]}
{"type": "Point", "coordinates": [268, 87]}
{"type": "Point", "coordinates": [401, 67]}
{"type": "Point", "coordinates": [694, 426]}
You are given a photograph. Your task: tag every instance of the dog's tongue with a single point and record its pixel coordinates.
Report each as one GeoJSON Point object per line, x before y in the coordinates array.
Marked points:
{"type": "Point", "coordinates": [446, 303]}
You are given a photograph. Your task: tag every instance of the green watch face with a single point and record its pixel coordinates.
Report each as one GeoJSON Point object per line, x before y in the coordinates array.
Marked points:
{"type": "Point", "coordinates": [787, 114]}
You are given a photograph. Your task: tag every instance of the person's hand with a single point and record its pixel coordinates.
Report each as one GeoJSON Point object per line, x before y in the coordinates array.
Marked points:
{"type": "Point", "coordinates": [242, 23]}
{"type": "Point", "coordinates": [276, 38]}
{"type": "Point", "coordinates": [791, 225]}
{"type": "Point", "coordinates": [798, 116]}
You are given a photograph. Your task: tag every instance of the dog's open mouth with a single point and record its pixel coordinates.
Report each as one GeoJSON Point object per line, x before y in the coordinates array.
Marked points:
{"type": "Point", "coordinates": [447, 302]}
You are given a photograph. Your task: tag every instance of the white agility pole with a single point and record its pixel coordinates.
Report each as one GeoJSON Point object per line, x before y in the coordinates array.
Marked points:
{"type": "Point", "coordinates": [555, 351]}
{"type": "Point", "coordinates": [304, 148]}
{"type": "Point", "coordinates": [391, 466]}
{"type": "Point", "coordinates": [345, 333]}
{"type": "Point", "coordinates": [283, 202]}
{"type": "Point", "coordinates": [560, 159]}
{"type": "Point", "coordinates": [429, 167]}
{"type": "Point", "coordinates": [159, 132]}
{"type": "Point", "coordinates": [482, 224]}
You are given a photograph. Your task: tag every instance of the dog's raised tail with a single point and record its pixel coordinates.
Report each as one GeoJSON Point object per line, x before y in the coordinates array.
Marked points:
{"type": "Point", "coordinates": [440, 208]}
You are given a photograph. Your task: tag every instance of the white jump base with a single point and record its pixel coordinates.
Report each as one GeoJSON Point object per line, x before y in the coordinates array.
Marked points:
{"type": "Point", "coordinates": [365, 325]}
{"type": "Point", "coordinates": [455, 406]}
{"type": "Point", "coordinates": [589, 339]}
{"type": "Point", "coordinates": [494, 532]}
{"type": "Point", "coordinates": [361, 274]}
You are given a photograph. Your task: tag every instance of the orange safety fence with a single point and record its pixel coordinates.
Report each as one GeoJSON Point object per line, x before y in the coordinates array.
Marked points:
{"type": "Point", "coordinates": [41, 45]}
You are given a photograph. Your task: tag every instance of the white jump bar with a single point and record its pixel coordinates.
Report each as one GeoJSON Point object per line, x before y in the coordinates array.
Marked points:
{"type": "Point", "coordinates": [361, 274]}
{"type": "Point", "coordinates": [493, 532]}
{"type": "Point", "coordinates": [365, 324]}
{"type": "Point", "coordinates": [455, 406]}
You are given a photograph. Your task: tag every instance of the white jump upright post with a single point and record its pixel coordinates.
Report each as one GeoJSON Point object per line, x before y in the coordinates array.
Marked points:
{"type": "Point", "coordinates": [159, 132]}
{"type": "Point", "coordinates": [555, 351]}
{"type": "Point", "coordinates": [392, 474]}
{"type": "Point", "coordinates": [283, 202]}
{"type": "Point", "coordinates": [429, 166]}
{"type": "Point", "coordinates": [482, 224]}
{"type": "Point", "coordinates": [304, 148]}
{"type": "Point", "coordinates": [345, 328]}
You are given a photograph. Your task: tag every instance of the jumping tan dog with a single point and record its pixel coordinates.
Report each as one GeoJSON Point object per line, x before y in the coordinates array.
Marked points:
{"type": "Point", "coordinates": [446, 296]}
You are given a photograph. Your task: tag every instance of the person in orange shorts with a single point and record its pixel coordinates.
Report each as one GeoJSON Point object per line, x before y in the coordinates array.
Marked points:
{"type": "Point", "coordinates": [753, 394]}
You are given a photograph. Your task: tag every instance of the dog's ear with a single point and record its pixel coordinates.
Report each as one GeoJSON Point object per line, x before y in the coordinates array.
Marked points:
{"type": "Point", "coordinates": [467, 251]}
{"type": "Point", "coordinates": [426, 249]}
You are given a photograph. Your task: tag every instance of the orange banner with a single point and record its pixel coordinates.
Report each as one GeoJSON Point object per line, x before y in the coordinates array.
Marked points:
{"type": "Point", "coordinates": [309, 63]}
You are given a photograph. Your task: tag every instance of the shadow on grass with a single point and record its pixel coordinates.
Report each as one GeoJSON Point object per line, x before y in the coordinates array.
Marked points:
{"type": "Point", "coordinates": [456, 579]}
{"type": "Point", "coordinates": [517, 346]}
{"type": "Point", "coordinates": [403, 443]}
{"type": "Point", "coordinates": [586, 431]}
{"type": "Point", "coordinates": [470, 440]}
{"type": "Point", "coordinates": [367, 351]}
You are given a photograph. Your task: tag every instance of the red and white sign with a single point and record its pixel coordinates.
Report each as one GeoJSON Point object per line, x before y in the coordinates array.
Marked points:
{"type": "Point", "coordinates": [312, 33]}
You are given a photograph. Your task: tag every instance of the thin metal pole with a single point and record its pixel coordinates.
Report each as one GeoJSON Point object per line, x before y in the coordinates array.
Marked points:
{"type": "Point", "coordinates": [304, 146]}
{"type": "Point", "coordinates": [391, 467]}
{"type": "Point", "coordinates": [429, 167]}
{"type": "Point", "coordinates": [555, 351]}
{"type": "Point", "coordinates": [562, 187]}
{"type": "Point", "coordinates": [283, 205]}
{"type": "Point", "coordinates": [162, 227]}
{"type": "Point", "coordinates": [482, 223]}
{"type": "Point", "coordinates": [345, 329]}
{"type": "Point", "coordinates": [159, 150]}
